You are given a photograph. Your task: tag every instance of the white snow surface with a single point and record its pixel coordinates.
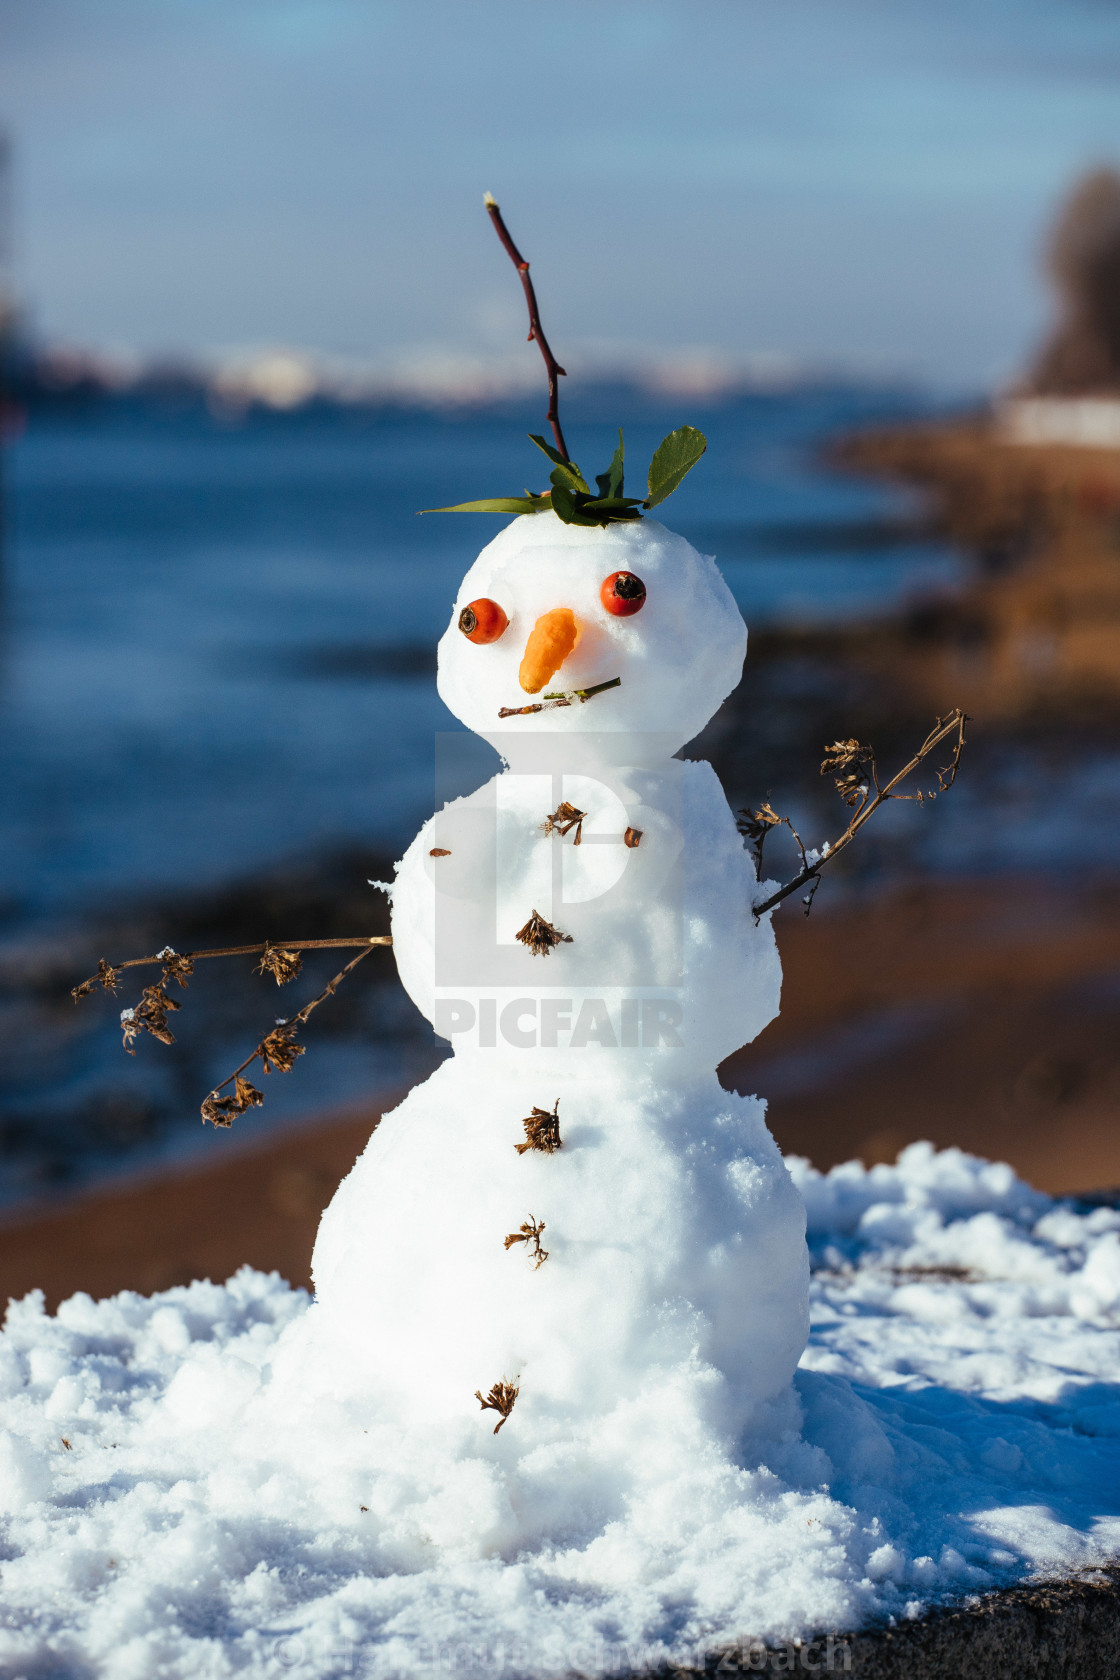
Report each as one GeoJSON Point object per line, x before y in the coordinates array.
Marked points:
{"type": "Point", "coordinates": [176, 1503]}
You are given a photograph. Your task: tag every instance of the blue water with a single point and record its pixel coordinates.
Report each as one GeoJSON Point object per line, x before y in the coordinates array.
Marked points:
{"type": "Point", "coordinates": [217, 640]}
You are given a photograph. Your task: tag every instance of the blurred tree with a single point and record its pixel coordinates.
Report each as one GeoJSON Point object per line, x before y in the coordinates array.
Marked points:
{"type": "Point", "coordinates": [1084, 261]}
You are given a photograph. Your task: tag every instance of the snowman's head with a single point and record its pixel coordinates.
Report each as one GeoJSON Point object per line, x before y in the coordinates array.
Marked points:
{"type": "Point", "coordinates": [533, 618]}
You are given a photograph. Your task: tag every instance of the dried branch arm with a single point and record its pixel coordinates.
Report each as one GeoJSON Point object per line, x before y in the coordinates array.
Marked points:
{"type": "Point", "coordinates": [945, 728]}
{"type": "Point", "coordinates": [536, 331]}
{"type": "Point", "coordinates": [277, 1049]}
{"type": "Point", "coordinates": [107, 971]}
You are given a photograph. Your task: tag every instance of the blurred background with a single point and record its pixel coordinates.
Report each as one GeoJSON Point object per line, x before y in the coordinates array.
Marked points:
{"type": "Point", "coordinates": [254, 317]}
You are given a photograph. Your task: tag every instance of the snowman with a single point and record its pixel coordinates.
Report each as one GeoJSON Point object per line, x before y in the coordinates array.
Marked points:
{"type": "Point", "coordinates": [571, 1213]}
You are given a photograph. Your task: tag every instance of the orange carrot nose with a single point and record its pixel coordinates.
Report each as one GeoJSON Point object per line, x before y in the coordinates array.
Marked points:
{"type": "Point", "coordinates": [551, 640]}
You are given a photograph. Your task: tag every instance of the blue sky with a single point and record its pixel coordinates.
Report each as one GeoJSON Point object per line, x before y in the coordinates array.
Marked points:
{"type": "Point", "coordinates": [858, 183]}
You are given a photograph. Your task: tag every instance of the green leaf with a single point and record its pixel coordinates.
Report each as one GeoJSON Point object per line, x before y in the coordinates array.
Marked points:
{"type": "Point", "coordinates": [610, 482]}
{"type": "Point", "coordinates": [571, 477]}
{"type": "Point", "coordinates": [546, 448]}
{"type": "Point", "coordinates": [568, 509]}
{"type": "Point", "coordinates": [606, 508]}
{"type": "Point", "coordinates": [675, 456]}
{"type": "Point", "coordinates": [496, 504]}
{"type": "Point", "coordinates": [561, 479]}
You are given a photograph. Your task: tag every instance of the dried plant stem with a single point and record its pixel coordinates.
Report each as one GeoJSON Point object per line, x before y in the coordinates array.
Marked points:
{"type": "Point", "coordinates": [276, 1049]}
{"type": "Point", "coordinates": [536, 331]}
{"type": "Point", "coordinates": [945, 728]}
{"type": "Point", "coordinates": [239, 951]}
{"type": "Point", "coordinates": [565, 697]}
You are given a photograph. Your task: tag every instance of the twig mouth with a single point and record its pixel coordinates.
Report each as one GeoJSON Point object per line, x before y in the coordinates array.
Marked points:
{"type": "Point", "coordinates": [561, 697]}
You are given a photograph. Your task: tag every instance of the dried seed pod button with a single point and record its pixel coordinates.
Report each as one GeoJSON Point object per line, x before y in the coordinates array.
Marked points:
{"type": "Point", "coordinates": [623, 594]}
{"type": "Point", "coordinates": [482, 620]}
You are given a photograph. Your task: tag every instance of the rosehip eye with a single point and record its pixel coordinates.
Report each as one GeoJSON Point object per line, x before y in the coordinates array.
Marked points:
{"type": "Point", "coordinates": [623, 594]}
{"type": "Point", "coordinates": [482, 621]}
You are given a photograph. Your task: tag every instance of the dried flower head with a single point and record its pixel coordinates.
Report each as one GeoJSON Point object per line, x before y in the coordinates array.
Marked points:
{"type": "Point", "coordinates": [501, 1398]}
{"type": "Point", "coordinates": [542, 1131]}
{"type": "Point", "coordinates": [149, 1015]}
{"type": "Point", "coordinates": [279, 1051]}
{"type": "Point", "coordinates": [754, 826]}
{"type": "Point", "coordinates": [632, 838]}
{"type": "Point", "coordinates": [107, 977]}
{"type": "Point", "coordinates": [563, 820]}
{"type": "Point", "coordinates": [282, 965]}
{"type": "Point", "coordinates": [852, 767]}
{"type": "Point", "coordinates": [530, 1235]}
{"type": "Point", "coordinates": [541, 936]}
{"type": "Point", "coordinates": [175, 967]}
{"type": "Point", "coordinates": [222, 1111]}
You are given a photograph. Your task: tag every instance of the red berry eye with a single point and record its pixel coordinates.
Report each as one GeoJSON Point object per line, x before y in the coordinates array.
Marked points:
{"type": "Point", "coordinates": [623, 594]}
{"type": "Point", "coordinates": [482, 621]}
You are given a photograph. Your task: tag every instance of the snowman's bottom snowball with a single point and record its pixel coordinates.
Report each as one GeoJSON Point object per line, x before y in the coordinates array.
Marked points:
{"type": "Point", "coordinates": [956, 1424]}
{"type": "Point", "coordinates": [675, 1240]}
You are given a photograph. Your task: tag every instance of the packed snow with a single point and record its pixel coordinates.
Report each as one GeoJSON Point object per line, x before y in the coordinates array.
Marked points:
{"type": "Point", "coordinates": [676, 1269]}
{"type": "Point", "coordinates": [171, 1508]}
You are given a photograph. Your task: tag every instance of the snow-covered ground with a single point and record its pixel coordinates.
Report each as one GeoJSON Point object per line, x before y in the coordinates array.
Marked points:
{"type": "Point", "coordinates": [957, 1428]}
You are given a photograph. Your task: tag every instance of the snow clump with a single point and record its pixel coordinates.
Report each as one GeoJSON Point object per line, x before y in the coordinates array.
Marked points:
{"type": "Point", "coordinates": [176, 1504]}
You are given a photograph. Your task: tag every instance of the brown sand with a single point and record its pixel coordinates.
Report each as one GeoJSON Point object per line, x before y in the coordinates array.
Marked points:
{"type": "Point", "coordinates": [256, 1205]}
{"type": "Point", "coordinates": [980, 1014]}
{"type": "Point", "coordinates": [1037, 632]}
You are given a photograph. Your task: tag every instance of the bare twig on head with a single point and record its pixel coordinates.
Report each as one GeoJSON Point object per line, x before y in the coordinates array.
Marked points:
{"type": "Point", "coordinates": [853, 768]}
{"type": "Point", "coordinates": [536, 331]}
